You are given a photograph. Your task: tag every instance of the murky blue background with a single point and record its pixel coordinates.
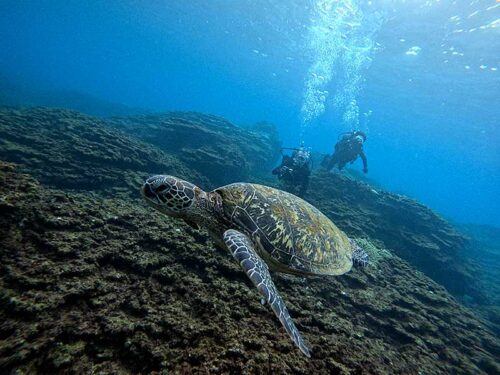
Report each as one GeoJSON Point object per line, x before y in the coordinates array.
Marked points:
{"type": "Point", "coordinates": [420, 77]}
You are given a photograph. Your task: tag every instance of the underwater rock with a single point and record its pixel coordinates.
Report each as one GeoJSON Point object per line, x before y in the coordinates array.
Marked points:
{"type": "Point", "coordinates": [214, 147]}
{"type": "Point", "coordinates": [70, 150]}
{"type": "Point", "coordinates": [484, 251]}
{"type": "Point", "coordinates": [410, 229]}
{"type": "Point", "coordinates": [106, 285]}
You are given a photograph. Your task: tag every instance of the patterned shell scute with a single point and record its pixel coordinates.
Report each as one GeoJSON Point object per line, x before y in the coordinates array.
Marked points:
{"type": "Point", "coordinates": [295, 236]}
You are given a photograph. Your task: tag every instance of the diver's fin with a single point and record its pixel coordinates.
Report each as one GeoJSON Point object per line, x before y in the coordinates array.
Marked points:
{"type": "Point", "coordinates": [256, 269]}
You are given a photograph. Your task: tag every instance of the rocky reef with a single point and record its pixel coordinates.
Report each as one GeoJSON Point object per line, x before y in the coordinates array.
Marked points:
{"type": "Point", "coordinates": [91, 284]}
{"type": "Point", "coordinates": [411, 230]}
{"type": "Point", "coordinates": [214, 147]}
{"type": "Point", "coordinates": [225, 153]}
{"type": "Point", "coordinates": [70, 150]}
{"type": "Point", "coordinates": [484, 251]}
{"type": "Point", "coordinates": [93, 281]}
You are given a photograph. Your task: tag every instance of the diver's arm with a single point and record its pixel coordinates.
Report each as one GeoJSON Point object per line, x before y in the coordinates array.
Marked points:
{"type": "Point", "coordinates": [365, 161]}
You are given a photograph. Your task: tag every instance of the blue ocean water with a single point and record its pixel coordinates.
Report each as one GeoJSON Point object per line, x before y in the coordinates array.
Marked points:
{"type": "Point", "coordinates": [420, 77]}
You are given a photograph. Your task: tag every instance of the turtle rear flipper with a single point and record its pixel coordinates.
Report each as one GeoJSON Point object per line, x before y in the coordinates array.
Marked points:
{"type": "Point", "coordinates": [256, 269]}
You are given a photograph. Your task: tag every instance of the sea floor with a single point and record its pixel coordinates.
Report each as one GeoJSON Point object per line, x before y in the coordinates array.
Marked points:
{"type": "Point", "coordinates": [94, 281]}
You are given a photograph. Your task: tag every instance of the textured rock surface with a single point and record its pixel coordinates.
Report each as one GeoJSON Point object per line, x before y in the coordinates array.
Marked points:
{"type": "Point", "coordinates": [95, 285]}
{"type": "Point", "coordinates": [484, 251]}
{"type": "Point", "coordinates": [213, 146]}
{"type": "Point", "coordinates": [70, 150]}
{"type": "Point", "coordinates": [411, 230]}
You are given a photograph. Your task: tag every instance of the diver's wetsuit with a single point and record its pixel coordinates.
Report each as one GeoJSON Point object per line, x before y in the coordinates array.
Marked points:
{"type": "Point", "coordinates": [294, 172]}
{"type": "Point", "coordinates": [347, 150]}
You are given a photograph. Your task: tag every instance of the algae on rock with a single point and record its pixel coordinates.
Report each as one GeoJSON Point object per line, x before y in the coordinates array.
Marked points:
{"type": "Point", "coordinates": [70, 150]}
{"type": "Point", "coordinates": [98, 282]}
{"type": "Point", "coordinates": [120, 289]}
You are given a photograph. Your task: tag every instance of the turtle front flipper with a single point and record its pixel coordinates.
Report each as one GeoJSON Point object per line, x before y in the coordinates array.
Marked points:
{"type": "Point", "coordinates": [256, 269]}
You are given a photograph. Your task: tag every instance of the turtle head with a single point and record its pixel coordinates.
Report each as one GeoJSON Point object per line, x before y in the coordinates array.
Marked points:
{"type": "Point", "coordinates": [170, 195]}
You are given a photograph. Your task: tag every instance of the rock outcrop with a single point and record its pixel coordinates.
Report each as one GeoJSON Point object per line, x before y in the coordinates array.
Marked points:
{"type": "Point", "coordinates": [484, 252]}
{"type": "Point", "coordinates": [70, 150]}
{"type": "Point", "coordinates": [411, 230]}
{"type": "Point", "coordinates": [214, 147]}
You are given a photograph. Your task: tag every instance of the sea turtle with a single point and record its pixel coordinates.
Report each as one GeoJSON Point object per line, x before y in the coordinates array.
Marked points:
{"type": "Point", "coordinates": [263, 228]}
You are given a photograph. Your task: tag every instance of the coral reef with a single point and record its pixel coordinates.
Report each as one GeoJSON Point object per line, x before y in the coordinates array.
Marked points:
{"type": "Point", "coordinates": [104, 285]}
{"type": "Point", "coordinates": [211, 145]}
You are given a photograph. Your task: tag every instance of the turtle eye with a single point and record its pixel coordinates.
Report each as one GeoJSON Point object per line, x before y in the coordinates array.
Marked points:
{"type": "Point", "coordinates": [169, 193]}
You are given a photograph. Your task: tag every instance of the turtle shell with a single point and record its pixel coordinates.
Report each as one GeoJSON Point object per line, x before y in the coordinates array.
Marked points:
{"type": "Point", "coordinates": [290, 234]}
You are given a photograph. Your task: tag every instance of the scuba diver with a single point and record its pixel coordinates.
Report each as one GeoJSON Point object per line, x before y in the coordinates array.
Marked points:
{"type": "Point", "coordinates": [295, 170]}
{"type": "Point", "coordinates": [347, 150]}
